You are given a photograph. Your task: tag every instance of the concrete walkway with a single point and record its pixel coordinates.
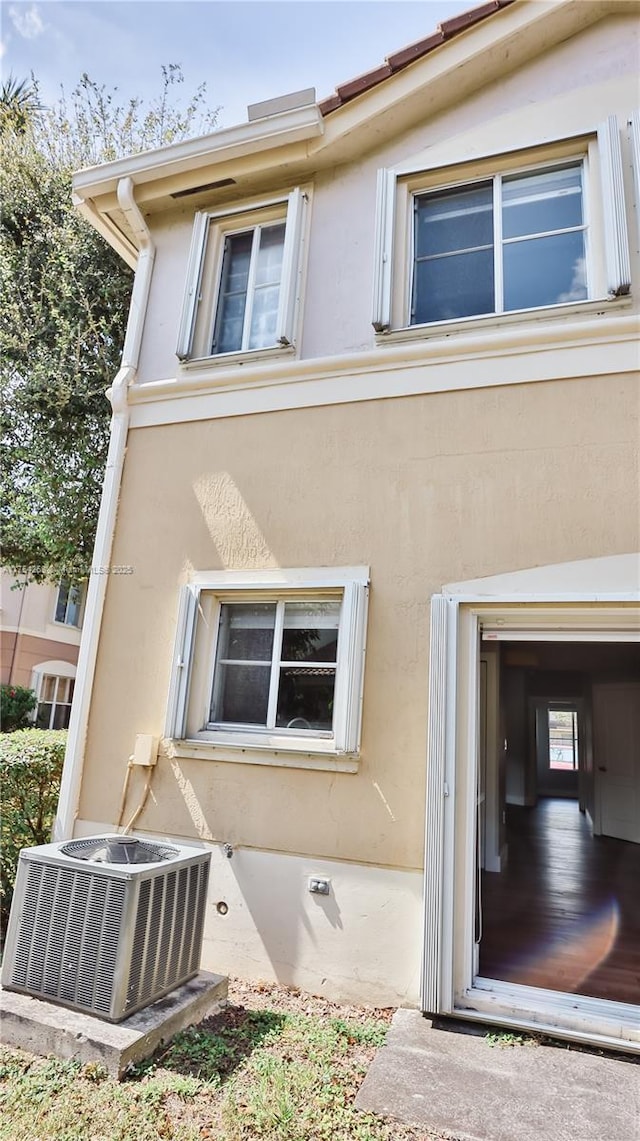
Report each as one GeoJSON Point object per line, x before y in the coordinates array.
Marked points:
{"type": "Point", "coordinates": [458, 1084]}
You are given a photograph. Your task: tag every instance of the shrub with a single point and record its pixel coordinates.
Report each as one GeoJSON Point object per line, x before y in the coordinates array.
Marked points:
{"type": "Point", "coordinates": [16, 703]}
{"type": "Point", "coordinates": [30, 772]}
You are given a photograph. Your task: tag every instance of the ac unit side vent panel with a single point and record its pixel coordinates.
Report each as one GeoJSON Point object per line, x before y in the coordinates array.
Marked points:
{"type": "Point", "coordinates": [68, 941]}
{"type": "Point", "coordinates": [103, 939]}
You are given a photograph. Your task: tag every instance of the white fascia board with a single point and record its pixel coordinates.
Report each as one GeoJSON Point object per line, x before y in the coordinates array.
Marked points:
{"type": "Point", "coordinates": [207, 150]}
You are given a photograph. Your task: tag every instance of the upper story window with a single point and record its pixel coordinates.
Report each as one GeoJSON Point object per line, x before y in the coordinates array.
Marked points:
{"type": "Point", "coordinates": [511, 242]}
{"type": "Point", "coordinates": [247, 307]}
{"type": "Point", "coordinates": [244, 280]}
{"type": "Point", "coordinates": [502, 234]}
{"type": "Point", "coordinates": [271, 661]}
{"type": "Point", "coordinates": [68, 603]}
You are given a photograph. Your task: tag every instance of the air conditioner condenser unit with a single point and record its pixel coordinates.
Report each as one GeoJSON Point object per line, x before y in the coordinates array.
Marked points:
{"type": "Point", "coordinates": [106, 924]}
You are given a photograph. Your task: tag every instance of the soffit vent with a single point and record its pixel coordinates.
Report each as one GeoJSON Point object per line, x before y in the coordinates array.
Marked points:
{"type": "Point", "coordinates": [206, 186]}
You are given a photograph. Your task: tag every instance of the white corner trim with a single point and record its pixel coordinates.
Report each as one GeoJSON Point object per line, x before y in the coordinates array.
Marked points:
{"type": "Point", "coordinates": [92, 621]}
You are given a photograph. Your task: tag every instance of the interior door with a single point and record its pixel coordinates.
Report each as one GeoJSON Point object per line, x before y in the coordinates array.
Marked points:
{"type": "Point", "coordinates": [616, 748]}
{"type": "Point", "coordinates": [558, 750]}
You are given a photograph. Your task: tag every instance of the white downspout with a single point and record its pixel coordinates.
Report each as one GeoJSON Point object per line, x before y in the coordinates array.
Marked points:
{"type": "Point", "coordinates": [117, 394]}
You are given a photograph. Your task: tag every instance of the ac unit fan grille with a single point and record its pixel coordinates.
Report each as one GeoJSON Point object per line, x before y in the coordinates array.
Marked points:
{"type": "Point", "coordinates": [97, 850]}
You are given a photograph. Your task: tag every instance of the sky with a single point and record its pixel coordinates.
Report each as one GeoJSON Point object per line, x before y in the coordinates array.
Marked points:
{"type": "Point", "coordinates": [244, 50]}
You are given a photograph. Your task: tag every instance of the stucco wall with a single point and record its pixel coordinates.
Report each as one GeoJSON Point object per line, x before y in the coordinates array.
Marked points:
{"type": "Point", "coordinates": [570, 91]}
{"type": "Point", "coordinates": [426, 490]}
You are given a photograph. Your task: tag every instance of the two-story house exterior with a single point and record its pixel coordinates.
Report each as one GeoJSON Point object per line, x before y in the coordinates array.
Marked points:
{"type": "Point", "coordinates": [374, 474]}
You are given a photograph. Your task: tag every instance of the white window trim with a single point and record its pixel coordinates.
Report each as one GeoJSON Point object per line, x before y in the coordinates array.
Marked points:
{"type": "Point", "coordinates": [393, 266]}
{"type": "Point", "coordinates": [189, 695]}
{"type": "Point", "coordinates": [229, 220]}
{"type": "Point", "coordinates": [58, 670]}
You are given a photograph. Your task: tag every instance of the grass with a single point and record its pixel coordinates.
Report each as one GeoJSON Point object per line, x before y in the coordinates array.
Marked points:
{"type": "Point", "coordinates": [506, 1038]}
{"type": "Point", "coordinates": [275, 1066]}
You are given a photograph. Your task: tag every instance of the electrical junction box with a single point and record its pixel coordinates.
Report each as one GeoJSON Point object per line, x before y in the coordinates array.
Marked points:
{"type": "Point", "coordinates": [145, 750]}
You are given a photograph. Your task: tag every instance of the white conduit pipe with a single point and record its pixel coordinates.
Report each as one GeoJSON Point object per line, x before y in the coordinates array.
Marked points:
{"type": "Point", "coordinates": [117, 394]}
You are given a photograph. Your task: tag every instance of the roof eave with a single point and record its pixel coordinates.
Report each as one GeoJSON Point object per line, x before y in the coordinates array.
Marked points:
{"type": "Point", "coordinates": [191, 155]}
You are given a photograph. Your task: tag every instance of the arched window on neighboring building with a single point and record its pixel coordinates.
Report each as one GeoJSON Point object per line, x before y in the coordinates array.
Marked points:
{"type": "Point", "coordinates": [53, 683]}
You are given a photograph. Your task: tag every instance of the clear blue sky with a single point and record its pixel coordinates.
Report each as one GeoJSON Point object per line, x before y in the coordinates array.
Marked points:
{"type": "Point", "coordinates": [245, 50]}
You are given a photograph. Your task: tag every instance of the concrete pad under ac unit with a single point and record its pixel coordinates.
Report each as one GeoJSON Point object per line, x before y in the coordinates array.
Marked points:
{"type": "Point", "coordinates": [42, 1028]}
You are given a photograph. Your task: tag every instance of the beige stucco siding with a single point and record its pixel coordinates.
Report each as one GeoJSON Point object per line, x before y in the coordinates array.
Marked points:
{"type": "Point", "coordinates": [425, 490]}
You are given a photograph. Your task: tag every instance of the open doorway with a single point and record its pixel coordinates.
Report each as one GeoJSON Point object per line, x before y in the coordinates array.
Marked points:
{"type": "Point", "coordinates": [560, 908]}
{"type": "Point", "coordinates": [580, 619]}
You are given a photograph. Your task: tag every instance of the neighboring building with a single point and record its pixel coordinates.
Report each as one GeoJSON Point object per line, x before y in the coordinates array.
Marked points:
{"type": "Point", "coordinates": [294, 479]}
{"type": "Point", "coordinates": [39, 644]}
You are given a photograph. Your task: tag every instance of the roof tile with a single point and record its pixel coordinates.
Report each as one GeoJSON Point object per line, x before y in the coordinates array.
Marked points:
{"type": "Point", "coordinates": [363, 82]}
{"type": "Point", "coordinates": [467, 19]}
{"type": "Point", "coordinates": [414, 51]}
{"type": "Point", "coordinates": [402, 58]}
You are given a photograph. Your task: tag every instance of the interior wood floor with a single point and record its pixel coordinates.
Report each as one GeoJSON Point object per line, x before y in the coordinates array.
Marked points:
{"type": "Point", "coordinates": [565, 914]}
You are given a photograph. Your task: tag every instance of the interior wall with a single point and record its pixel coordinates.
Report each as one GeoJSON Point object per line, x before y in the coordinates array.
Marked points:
{"type": "Point", "coordinates": [564, 671]}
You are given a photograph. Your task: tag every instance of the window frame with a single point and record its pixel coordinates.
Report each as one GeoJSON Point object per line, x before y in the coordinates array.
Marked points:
{"type": "Point", "coordinates": [188, 727]}
{"type": "Point", "coordinates": [204, 275]}
{"type": "Point", "coordinates": [276, 664]}
{"type": "Point", "coordinates": [256, 231]}
{"type": "Point", "coordinates": [499, 242]}
{"type": "Point", "coordinates": [70, 585]}
{"type": "Point", "coordinates": [54, 703]}
{"type": "Point", "coordinates": [607, 242]}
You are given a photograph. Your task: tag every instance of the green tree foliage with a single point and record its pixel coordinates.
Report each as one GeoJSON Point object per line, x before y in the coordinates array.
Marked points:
{"type": "Point", "coordinates": [19, 103]}
{"type": "Point", "coordinates": [16, 703]}
{"type": "Point", "coordinates": [65, 303]}
{"type": "Point", "coordinates": [30, 773]}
